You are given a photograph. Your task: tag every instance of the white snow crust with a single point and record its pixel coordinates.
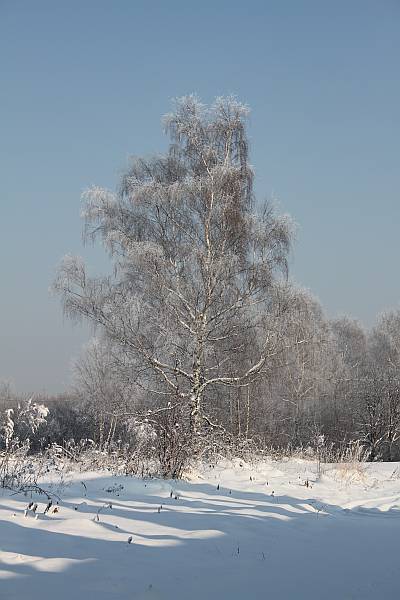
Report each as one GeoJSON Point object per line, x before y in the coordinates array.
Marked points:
{"type": "Point", "coordinates": [263, 534]}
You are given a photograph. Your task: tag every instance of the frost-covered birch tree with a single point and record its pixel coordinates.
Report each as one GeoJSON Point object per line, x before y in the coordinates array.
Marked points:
{"type": "Point", "coordinates": [197, 262]}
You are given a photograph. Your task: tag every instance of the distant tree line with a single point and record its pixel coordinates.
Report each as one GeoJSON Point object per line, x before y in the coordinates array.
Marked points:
{"type": "Point", "coordinates": [342, 383]}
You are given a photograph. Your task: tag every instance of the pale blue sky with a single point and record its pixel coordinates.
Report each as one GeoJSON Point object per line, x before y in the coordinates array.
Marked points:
{"type": "Point", "coordinates": [83, 84]}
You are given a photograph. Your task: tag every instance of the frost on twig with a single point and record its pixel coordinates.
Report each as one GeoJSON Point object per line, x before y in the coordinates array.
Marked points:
{"type": "Point", "coordinates": [100, 509]}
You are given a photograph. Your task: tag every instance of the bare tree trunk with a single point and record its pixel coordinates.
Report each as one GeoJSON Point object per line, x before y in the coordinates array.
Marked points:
{"type": "Point", "coordinates": [239, 423]}
{"type": "Point", "coordinates": [248, 413]}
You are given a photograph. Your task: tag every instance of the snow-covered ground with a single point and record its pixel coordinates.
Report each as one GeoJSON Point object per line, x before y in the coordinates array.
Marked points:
{"type": "Point", "coordinates": [233, 531]}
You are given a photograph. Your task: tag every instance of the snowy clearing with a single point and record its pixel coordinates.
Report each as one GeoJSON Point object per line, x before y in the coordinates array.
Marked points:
{"type": "Point", "coordinates": [233, 531]}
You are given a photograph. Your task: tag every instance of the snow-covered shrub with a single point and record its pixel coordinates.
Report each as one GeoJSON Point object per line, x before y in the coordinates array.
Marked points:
{"type": "Point", "coordinates": [16, 466]}
{"type": "Point", "coordinates": [8, 427]}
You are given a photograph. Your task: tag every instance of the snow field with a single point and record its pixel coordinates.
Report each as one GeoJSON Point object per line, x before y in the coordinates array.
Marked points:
{"type": "Point", "coordinates": [262, 530]}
